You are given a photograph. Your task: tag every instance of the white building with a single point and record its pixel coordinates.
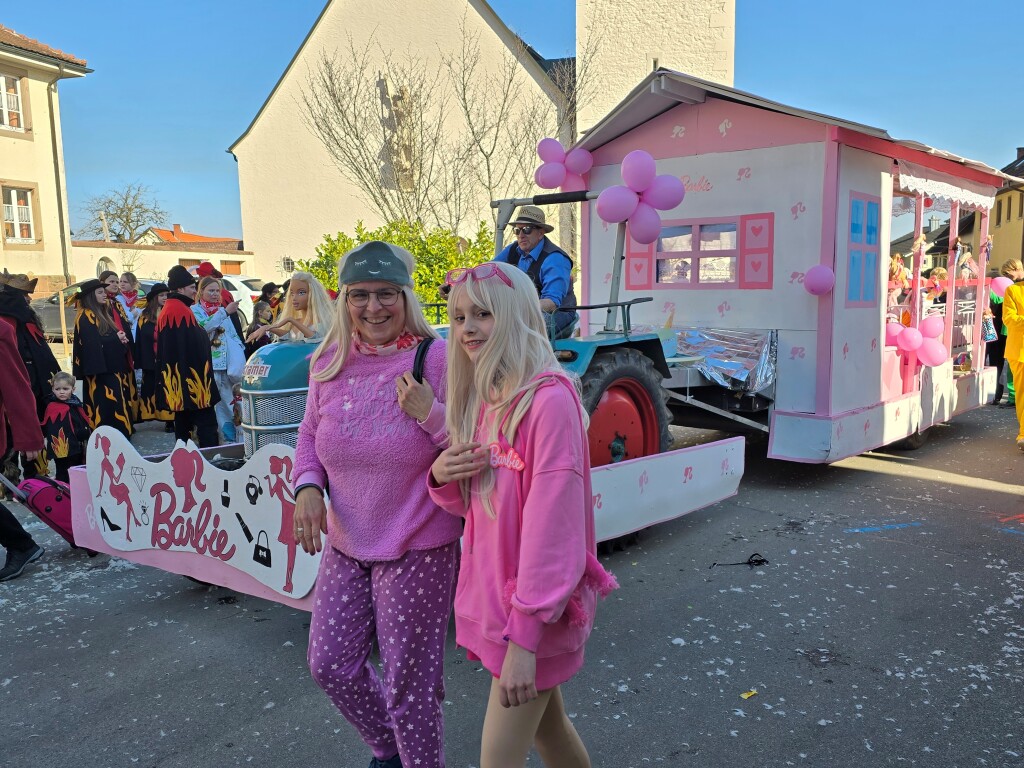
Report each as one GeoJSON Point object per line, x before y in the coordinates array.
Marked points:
{"type": "Point", "coordinates": [291, 191]}
{"type": "Point", "coordinates": [35, 236]}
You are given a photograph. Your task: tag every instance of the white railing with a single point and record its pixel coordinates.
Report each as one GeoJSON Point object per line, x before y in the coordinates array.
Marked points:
{"type": "Point", "coordinates": [8, 212]}
{"type": "Point", "coordinates": [24, 214]}
{"type": "Point", "coordinates": [13, 102]}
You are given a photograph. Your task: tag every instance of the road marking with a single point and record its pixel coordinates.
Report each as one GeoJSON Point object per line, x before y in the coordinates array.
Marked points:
{"type": "Point", "coordinates": [886, 527]}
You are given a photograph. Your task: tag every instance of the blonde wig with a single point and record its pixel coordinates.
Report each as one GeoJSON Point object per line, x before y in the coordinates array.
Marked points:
{"type": "Point", "coordinates": [510, 364]}
{"type": "Point", "coordinates": [319, 310]}
{"type": "Point", "coordinates": [340, 332]}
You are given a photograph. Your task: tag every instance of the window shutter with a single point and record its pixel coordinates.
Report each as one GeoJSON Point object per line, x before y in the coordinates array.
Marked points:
{"type": "Point", "coordinates": [757, 250]}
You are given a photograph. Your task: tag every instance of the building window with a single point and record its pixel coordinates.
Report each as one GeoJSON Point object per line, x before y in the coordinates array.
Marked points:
{"type": "Point", "coordinates": [11, 113]}
{"type": "Point", "coordinates": [1020, 210]}
{"type": "Point", "coordinates": [734, 252]}
{"type": "Point", "coordinates": [189, 263]}
{"type": "Point", "coordinates": [698, 254]}
{"type": "Point", "coordinates": [18, 224]}
{"type": "Point", "coordinates": [230, 267]}
{"type": "Point", "coordinates": [999, 211]}
{"type": "Point", "coordinates": [862, 249]}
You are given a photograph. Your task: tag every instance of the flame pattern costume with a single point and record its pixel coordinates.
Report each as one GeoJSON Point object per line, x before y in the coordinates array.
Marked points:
{"type": "Point", "coordinates": [184, 361]}
{"type": "Point", "coordinates": [104, 365]}
{"type": "Point", "coordinates": [145, 360]}
{"type": "Point", "coordinates": [66, 430]}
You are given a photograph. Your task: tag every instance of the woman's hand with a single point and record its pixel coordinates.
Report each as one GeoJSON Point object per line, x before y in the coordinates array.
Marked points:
{"type": "Point", "coordinates": [518, 681]}
{"type": "Point", "coordinates": [121, 335]}
{"type": "Point", "coordinates": [257, 334]}
{"type": "Point", "coordinates": [310, 520]}
{"type": "Point", "coordinates": [231, 308]}
{"type": "Point", "coordinates": [458, 462]}
{"type": "Point", "coordinates": [415, 398]}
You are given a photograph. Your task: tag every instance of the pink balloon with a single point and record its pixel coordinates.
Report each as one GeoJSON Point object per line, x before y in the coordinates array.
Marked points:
{"type": "Point", "coordinates": [932, 353]}
{"type": "Point", "coordinates": [645, 224]}
{"type": "Point", "coordinates": [550, 151]}
{"type": "Point", "coordinates": [573, 183]}
{"type": "Point", "coordinates": [909, 339]}
{"type": "Point", "coordinates": [579, 161]}
{"type": "Point", "coordinates": [549, 175]}
{"type": "Point", "coordinates": [665, 192]}
{"type": "Point", "coordinates": [638, 170]}
{"type": "Point", "coordinates": [616, 204]}
{"type": "Point", "coordinates": [892, 330]}
{"type": "Point", "coordinates": [932, 327]}
{"type": "Point", "coordinates": [819, 280]}
{"type": "Point", "coordinates": [1000, 284]}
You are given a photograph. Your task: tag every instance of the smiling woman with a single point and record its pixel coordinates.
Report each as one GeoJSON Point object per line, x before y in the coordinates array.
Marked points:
{"type": "Point", "coordinates": [371, 431]}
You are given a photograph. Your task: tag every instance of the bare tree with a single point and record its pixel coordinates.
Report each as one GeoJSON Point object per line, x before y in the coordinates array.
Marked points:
{"type": "Point", "coordinates": [382, 121]}
{"type": "Point", "coordinates": [131, 258]}
{"type": "Point", "coordinates": [128, 210]}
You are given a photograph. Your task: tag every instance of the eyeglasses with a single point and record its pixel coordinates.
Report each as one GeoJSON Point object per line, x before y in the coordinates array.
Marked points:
{"type": "Point", "coordinates": [479, 272]}
{"type": "Point", "coordinates": [386, 297]}
{"type": "Point", "coordinates": [525, 230]}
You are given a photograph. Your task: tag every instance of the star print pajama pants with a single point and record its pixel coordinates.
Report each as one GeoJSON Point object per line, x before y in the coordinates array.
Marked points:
{"type": "Point", "coordinates": [406, 604]}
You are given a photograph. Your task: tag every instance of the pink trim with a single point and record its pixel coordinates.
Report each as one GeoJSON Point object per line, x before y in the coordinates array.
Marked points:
{"type": "Point", "coordinates": [640, 266]}
{"type": "Point", "coordinates": [951, 278]}
{"type": "Point", "coordinates": [982, 301]}
{"type": "Point", "coordinates": [716, 125]}
{"type": "Point", "coordinates": [829, 218]}
{"type": "Point", "coordinates": [898, 152]}
{"type": "Point", "coordinates": [757, 249]}
{"type": "Point", "coordinates": [584, 263]}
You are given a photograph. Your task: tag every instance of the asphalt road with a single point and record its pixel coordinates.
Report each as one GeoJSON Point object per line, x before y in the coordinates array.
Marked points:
{"type": "Point", "coordinates": [886, 629]}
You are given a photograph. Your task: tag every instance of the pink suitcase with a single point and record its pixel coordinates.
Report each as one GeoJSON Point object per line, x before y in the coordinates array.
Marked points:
{"type": "Point", "coordinates": [50, 501]}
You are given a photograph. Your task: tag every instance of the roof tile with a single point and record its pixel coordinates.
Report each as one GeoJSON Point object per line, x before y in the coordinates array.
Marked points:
{"type": "Point", "coordinates": [10, 37]}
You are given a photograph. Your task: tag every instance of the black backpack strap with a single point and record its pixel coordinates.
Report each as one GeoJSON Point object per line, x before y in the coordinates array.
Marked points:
{"type": "Point", "coordinates": [421, 356]}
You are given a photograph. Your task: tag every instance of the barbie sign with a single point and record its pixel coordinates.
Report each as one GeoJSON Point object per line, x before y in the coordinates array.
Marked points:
{"type": "Point", "coordinates": [239, 520]}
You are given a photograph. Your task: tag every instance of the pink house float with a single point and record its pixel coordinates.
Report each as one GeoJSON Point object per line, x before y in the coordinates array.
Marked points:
{"type": "Point", "coordinates": [773, 271]}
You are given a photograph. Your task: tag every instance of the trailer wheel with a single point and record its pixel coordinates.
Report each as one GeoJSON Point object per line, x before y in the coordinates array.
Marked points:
{"type": "Point", "coordinates": [912, 442]}
{"type": "Point", "coordinates": [622, 392]}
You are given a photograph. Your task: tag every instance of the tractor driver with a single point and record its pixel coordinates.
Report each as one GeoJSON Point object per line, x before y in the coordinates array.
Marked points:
{"type": "Point", "coordinates": [547, 265]}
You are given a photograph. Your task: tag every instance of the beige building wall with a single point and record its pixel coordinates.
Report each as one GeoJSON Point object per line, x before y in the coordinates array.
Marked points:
{"type": "Point", "coordinates": [33, 159]}
{"type": "Point", "coordinates": [291, 192]}
{"type": "Point", "coordinates": [151, 262]}
{"type": "Point", "coordinates": [630, 38]}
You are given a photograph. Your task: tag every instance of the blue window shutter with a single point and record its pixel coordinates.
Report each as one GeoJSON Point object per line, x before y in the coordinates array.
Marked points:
{"type": "Point", "coordinates": [870, 276]}
{"type": "Point", "coordinates": [855, 278]}
{"type": "Point", "coordinates": [872, 228]}
{"type": "Point", "coordinates": [857, 221]}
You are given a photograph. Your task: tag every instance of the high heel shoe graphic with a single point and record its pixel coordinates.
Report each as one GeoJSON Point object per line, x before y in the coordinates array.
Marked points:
{"type": "Point", "coordinates": [106, 521]}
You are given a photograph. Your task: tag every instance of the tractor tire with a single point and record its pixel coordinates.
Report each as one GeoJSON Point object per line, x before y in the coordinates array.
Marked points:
{"type": "Point", "coordinates": [622, 392]}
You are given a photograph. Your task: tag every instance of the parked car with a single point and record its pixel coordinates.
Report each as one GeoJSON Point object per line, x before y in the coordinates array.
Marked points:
{"type": "Point", "coordinates": [243, 288]}
{"type": "Point", "coordinates": [48, 309]}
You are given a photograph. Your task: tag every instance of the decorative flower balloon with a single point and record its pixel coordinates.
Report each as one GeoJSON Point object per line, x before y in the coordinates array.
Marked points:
{"type": "Point", "coordinates": [644, 194]}
{"type": "Point", "coordinates": [923, 340]}
{"type": "Point", "coordinates": [560, 168]}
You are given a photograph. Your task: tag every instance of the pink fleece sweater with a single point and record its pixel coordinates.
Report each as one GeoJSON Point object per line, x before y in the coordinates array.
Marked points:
{"type": "Point", "coordinates": [530, 575]}
{"type": "Point", "coordinates": [375, 457]}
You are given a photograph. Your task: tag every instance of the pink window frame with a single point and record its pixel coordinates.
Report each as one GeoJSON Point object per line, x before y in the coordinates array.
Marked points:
{"type": "Point", "coordinates": [695, 257]}
{"type": "Point", "coordinates": [862, 247]}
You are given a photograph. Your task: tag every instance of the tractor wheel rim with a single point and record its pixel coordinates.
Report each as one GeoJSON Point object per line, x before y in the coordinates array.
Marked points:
{"type": "Point", "coordinates": [624, 424]}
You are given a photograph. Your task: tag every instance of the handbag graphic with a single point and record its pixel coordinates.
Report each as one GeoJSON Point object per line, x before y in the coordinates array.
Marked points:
{"type": "Point", "coordinates": [261, 552]}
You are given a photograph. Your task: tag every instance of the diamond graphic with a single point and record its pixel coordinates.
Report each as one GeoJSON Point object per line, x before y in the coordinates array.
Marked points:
{"type": "Point", "coordinates": [139, 476]}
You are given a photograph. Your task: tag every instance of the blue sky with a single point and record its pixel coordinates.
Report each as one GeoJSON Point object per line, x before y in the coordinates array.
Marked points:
{"type": "Point", "coordinates": [176, 83]}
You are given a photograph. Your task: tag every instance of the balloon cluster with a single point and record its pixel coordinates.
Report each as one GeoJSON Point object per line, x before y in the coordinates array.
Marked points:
{"type": "Point", "coordinates": [924, 340]}
{"type": "Point", "coordinates": [644, 194]}
{"type": "Point", "coordinates": [560, 168]}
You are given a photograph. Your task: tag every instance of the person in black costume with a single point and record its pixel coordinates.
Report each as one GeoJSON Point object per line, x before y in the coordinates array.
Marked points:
{"type": "Point", "coordinates": [65, 426]}
{"type": "Point", "coordinates": [145, 357]}
{"type": "Point", "coordinates": [185, 364]}
{"type": "Point", "coordinates": [102, 359]}
{"type": "Point", "coordinates": [40, 364]}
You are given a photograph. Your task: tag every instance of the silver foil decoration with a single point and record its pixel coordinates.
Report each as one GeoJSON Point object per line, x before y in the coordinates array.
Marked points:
{"type": "Point", "coordinates": [742, 361]}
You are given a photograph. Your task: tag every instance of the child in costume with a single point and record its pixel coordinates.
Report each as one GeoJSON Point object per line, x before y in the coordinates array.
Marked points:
{"type": "Point", "coordinates": [518, 470]}
{"type": "Point", "coordinates": [65, 426]}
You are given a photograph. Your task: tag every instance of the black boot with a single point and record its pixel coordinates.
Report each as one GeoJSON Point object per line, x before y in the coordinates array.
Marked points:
{"type": "Point", "coordinates": [998, 395]}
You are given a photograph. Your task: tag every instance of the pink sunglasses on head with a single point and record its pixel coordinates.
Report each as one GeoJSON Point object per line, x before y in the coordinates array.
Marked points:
{"type": "Point", "coordinates": [479, 272]}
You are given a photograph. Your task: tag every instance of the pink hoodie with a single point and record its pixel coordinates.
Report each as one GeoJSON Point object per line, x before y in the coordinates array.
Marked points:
{"type": "Point", "coordinates": [355, 437]}
{"type": "Point", "coordinates": [530, 575]}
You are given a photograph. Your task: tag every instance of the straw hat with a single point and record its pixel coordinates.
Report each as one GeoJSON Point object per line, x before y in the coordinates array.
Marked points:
{"type": "Point", "coordinates": [532, 216]}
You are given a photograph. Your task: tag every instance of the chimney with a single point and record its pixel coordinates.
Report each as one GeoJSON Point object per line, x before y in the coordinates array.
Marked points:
{"type": "Point", "coordinates": [177, 230]}
{"type": "Point", "coordinates": [1020, 152]}
{"type": "Point", "coordinates": [933, 222]}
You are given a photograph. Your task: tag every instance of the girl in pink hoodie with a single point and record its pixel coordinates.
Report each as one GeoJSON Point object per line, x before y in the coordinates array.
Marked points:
{"type": "Point", "coordinates": [518, 470]}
